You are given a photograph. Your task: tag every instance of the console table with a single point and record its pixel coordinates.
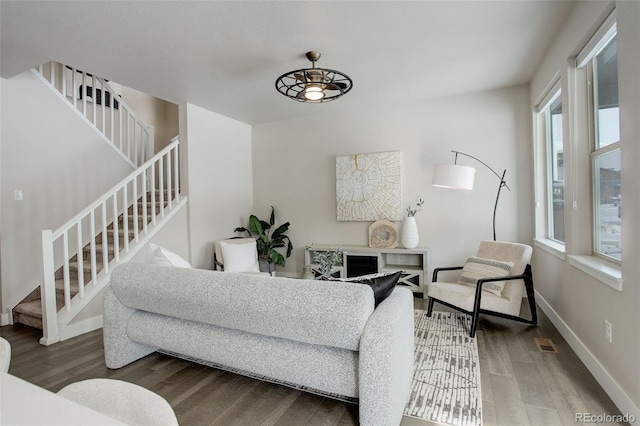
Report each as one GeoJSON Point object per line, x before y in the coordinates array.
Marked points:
{"type": "Point", "coordinates": [361, 260]}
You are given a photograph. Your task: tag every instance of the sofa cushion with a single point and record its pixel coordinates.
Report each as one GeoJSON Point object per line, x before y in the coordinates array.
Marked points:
{"type": "Point", "coordinates": [317, 312]}
{"type": "Point", "coordinates": [381, 283]}
{"type": "Point", "coordinates": [161, 256]}
{"type": "Point", "coordinates": [315, 368]}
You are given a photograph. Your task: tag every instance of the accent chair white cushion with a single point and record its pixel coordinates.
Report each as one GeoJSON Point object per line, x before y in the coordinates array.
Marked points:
{"type": "Point", "coordinates": [240, 257]}
{"type": "Point", "coordinates": [161, 256]}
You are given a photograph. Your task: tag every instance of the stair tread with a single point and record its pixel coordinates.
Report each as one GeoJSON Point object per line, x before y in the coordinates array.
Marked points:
{"type": "Point", "coordinates": [33, 308]}
{"type": "Point", "coordinates": [73, 285]}
{"type": "Point", "coordinates": [99, 250]}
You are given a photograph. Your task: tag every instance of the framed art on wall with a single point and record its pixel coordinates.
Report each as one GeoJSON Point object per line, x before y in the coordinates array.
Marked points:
{"type": "Point", "coordinates": [369, 187]}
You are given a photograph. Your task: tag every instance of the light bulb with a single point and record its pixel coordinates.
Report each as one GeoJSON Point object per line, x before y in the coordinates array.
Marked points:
{"type": "Point", "coordinates": [313, 93]}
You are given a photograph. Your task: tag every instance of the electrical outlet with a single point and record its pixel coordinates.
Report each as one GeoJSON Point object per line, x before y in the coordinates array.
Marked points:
{"type": "Point", "coordinates": [608, 331]}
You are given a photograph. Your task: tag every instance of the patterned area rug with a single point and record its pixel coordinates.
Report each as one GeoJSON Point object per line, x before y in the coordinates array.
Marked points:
{"type": "Point", "coordinates": [446, 379]}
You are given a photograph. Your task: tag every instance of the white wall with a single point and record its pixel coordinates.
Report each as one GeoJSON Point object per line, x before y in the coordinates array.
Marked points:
{"type": "Point", "coordinates": [61, 166]}
{"type": "Point", "coordinates": [294, 170]}
{"type": "Point", "coordinates": [218, 179]}
{"type": "Point", "coordinates": [173, 236]}
{"type": "Point", "coordinates": [162, 115]}
{"type": "Point", "coordinates": [579, 302]}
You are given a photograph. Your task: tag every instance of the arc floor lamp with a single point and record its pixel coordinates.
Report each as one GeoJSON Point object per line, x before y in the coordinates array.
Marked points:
{"type": "Point", "coordinates": [455, 176]}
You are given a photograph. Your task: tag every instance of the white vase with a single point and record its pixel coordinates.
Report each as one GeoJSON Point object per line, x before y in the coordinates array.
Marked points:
{"type": "Point", "coordinates": [409, 235]}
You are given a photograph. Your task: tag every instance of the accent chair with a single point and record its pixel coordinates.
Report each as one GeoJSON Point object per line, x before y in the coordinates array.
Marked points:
{"type": "Point", "coordinates": [492, 283]}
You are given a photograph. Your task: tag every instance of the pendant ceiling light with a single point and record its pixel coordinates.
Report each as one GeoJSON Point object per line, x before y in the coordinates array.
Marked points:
{"type": "Point", "coordinates": [314, 85]}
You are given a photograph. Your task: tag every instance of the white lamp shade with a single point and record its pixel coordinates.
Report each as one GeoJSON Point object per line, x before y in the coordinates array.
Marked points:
{"type": "Point", "coordinates": [453, 176]}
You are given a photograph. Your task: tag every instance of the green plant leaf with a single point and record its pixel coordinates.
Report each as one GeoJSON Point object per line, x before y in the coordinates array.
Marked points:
{"type": "Point", "coordinates": [276, 258]}
{"type": "Point", "coordinates": [280, 230]}
{"type": "Point", "coordinates": [255, 225]}
{"type": "Point", "coordinates": [242, 229]}
{"type": "Point", "coordinates": [262, 248]}
{"type": "Point", "coordinates": [272, 220]}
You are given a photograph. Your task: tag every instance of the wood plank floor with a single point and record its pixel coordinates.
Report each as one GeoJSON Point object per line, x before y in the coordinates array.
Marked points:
{"type": "Point", "coordinates": [520, 385]}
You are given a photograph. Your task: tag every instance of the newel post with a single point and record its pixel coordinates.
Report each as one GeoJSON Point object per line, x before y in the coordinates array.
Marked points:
{"type": "Point", "coordinates": [50, 332]}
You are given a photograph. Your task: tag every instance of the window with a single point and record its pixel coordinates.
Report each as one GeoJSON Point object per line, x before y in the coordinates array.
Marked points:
{"type": "Point", "coordinates": [604, 119]}
{"type": "Point", "coordinates": [603, 73]}
{"type": "Point", "coordinates": [555, 169]}
{"type": "Point", "coordinates": [550, 168]}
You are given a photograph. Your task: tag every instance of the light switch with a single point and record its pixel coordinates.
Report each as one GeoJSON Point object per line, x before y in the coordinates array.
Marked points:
{"type": "Point", "coordinates": [17, 195]}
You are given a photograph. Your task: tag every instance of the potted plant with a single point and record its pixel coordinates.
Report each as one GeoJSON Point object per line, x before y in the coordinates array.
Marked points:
{"type": "Point", "coordinates": [327, 260]}
{"type": "Point", "coordinates": [268, 240]}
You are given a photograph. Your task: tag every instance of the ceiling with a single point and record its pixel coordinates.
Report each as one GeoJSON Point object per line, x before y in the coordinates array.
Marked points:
{"type": "Point", "coordinates": [225, 55]}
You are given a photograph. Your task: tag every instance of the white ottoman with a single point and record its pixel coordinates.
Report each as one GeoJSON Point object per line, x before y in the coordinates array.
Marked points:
{"type": "Point", "coordinates": [123, 401]}
{"type": "Point", "coordinates": [5, 355]}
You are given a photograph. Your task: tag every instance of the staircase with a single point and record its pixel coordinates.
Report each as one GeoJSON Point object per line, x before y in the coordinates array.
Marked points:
{"type": "Point", "coordinates": [29, 311]}
{"type": "Point", "coordinates": [79, 256]}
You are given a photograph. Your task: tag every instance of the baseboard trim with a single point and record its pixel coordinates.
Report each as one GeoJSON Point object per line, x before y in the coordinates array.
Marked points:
{"type": "Point", "coordinates": [5, 319]}
{"type": "Point", "coordinates": [608, 383]}
{"type": "Point", "coordinates": [46, 341]}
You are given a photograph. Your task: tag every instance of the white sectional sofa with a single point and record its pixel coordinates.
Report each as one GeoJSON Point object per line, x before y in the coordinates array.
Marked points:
{"type": "Point", "coordinates": [320, 336]}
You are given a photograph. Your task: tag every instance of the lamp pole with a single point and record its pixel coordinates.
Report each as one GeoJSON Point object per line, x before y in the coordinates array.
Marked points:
{"type": "Point", "coordinates": [502, 183]}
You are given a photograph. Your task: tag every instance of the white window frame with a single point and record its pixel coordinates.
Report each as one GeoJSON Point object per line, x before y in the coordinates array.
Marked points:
{"type": "Point", "coordinates": [549, 165]}
{"type": "Point", "coordinates": [595, 151]}
{"type": "Point", "coordinates": [581, 112]}
{"type": "Point", "coordinates": [544, 179]}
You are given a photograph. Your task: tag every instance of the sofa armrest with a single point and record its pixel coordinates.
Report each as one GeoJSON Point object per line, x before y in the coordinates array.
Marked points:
{"type": "Point", "coordinates": [119, 349]}
{"type": "Point", "coordinates": [386, 360]}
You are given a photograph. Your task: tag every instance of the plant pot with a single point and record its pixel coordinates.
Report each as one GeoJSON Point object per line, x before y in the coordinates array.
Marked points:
{"type": "Point", "coordinates": [409, 236]}
{"type": "Point", "coordinates": [267, 266]}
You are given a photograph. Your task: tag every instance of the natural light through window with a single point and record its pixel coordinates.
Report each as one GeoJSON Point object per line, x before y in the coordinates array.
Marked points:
{"type": "Point", "coordinates": [606, 152]}
{"type": "Point", "coordinates": [555, 166]}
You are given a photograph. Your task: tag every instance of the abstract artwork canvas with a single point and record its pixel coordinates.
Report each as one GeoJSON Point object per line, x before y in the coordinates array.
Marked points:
{"type": "Point", "coordinates": [369, 187]}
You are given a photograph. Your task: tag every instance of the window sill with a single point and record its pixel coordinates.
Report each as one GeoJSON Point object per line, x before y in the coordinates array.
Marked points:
{"type": "Point", "coordinates": [604, 272]}
{"type": "Point", "coordinates": [550, 246]}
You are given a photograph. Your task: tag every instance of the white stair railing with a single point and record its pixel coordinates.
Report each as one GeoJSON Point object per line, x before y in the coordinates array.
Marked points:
{"type": "Point", "coordinates": [119, 220]}
{"type": "Point", "coordinates": [102, 107]}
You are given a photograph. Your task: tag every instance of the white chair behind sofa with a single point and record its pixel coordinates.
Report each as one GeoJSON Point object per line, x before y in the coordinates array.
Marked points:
{"type": "Point", "coordinates": [236, 255]}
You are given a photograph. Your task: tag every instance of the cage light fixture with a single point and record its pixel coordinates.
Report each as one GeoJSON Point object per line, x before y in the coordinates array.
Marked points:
{"type": "Point", "coordinates": [314, 85]}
